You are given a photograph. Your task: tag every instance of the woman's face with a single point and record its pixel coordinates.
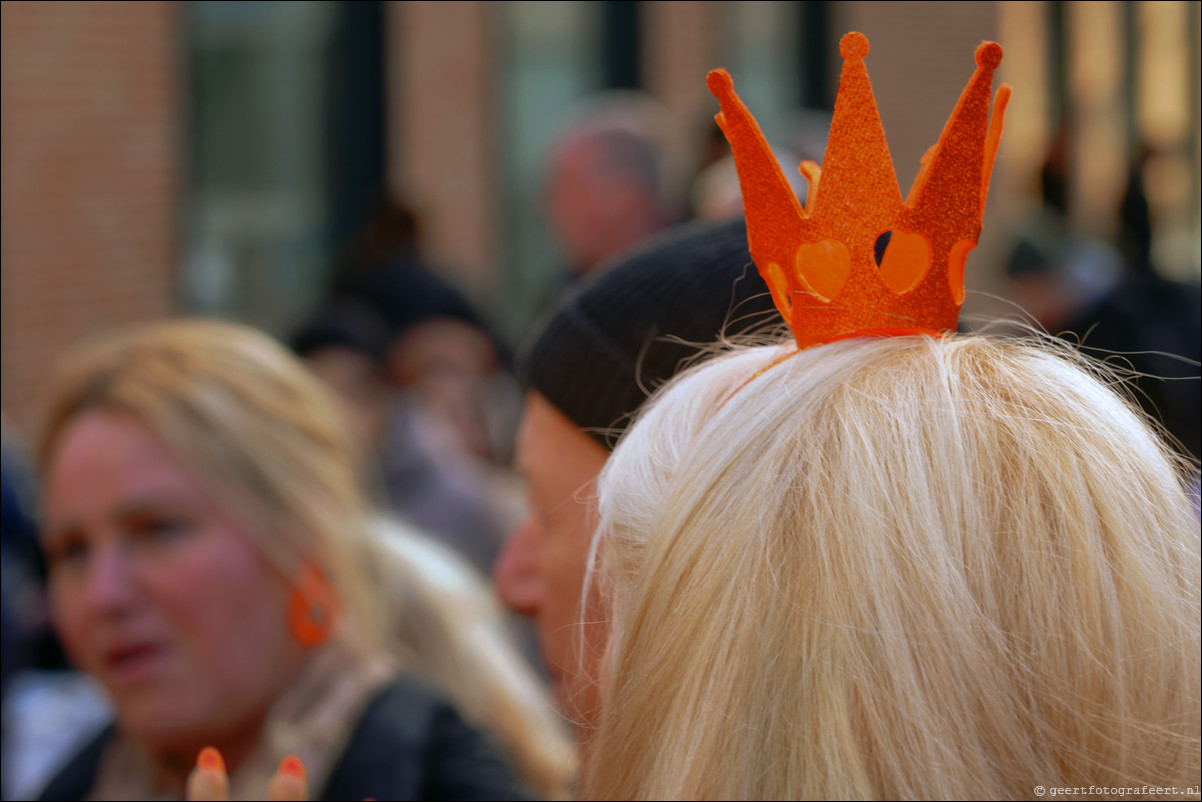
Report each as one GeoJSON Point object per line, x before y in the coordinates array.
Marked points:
{"type": "Point", "coordinates": [157, 592]}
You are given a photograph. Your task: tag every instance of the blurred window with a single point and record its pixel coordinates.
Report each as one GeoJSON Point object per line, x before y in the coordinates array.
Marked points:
{"type": "Point", "coordinates": [1121, 78]}
{"type": "Point", "coordinates": [550, 60]}
{"type": "Point", "coordinates": [763, 43]}
{"type": "Point", "coordinates": [285, 151]}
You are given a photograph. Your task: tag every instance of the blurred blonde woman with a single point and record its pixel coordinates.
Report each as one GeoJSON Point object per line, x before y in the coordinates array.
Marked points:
{"type": "Point", "coordinates": [214, 563]}
{"type": "Point", "coordinates": [908, 567]}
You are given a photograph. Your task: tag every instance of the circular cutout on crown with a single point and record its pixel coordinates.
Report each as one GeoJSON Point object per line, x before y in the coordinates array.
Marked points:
{"type": "Point", "coordinates": [853, 46]}
{"type": "Point", "coordinates": [989, 54]}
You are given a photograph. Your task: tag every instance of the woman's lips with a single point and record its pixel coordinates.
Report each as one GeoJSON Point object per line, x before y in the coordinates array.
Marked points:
{"type": "Point", "coordinates": [130, 664]}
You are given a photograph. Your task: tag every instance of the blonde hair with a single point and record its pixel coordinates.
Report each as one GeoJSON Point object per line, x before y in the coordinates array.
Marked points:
{"type": "Point", "coordinates": [253, 426]}
{"type": "Point", "coordinates": [896, 568]}
{"type": "Point", "coordinates": [272, 447]}
{"type": "Point", "coordinates": [459, 634]}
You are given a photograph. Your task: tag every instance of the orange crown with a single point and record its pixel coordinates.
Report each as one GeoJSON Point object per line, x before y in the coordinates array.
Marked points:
{"type": "Point", "coordinates": [819, 261]}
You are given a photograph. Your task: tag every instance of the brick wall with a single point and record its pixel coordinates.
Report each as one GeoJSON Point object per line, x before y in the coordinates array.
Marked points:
{"type": "Point", "coordinates": [682, 42]}
{"type": "Point", "coordinates": [440, 97]}
{"type": "Point", "coordinates": [91, 105]}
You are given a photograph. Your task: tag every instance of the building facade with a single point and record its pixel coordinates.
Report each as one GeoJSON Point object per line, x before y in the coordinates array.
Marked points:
{"type": "Point", "coordinates": [215, 157]}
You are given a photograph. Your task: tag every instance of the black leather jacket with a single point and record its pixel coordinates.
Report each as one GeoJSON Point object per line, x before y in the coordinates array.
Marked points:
{"type": "Point", "coordinates": [409, 744]}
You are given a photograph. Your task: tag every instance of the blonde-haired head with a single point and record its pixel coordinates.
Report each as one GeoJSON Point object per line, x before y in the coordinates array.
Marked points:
{"type": "Point", "coordinates": [272, 447]}
{"type": "Point", "coordinates": [953, 567]}
{"type": "Point", "coordinates": [249, 422]}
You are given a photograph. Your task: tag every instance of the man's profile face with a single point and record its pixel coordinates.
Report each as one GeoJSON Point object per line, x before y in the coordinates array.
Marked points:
{"type": "Point", "coordinates": [541, 571]}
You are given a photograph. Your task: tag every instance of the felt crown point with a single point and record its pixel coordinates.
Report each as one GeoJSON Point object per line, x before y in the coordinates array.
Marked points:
{"type": "Point", "coordinates": [853, 46]}
{"type": "Point", "coordinates": [857, 260]}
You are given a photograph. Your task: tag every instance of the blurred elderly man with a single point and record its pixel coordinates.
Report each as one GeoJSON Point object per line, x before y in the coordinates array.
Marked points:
{"type": "Point", "coordinates": [605, 182]}
{"type": "Point", "coordinates": [607, 347]}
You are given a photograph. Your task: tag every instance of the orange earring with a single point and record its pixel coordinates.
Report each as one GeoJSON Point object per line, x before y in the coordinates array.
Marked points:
{"type": "Point", "coordinates": [314, 608]}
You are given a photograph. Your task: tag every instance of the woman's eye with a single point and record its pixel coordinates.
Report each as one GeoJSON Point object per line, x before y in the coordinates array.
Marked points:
{"type": "Point", "coordinates": [66, 551]}
{"type": "Point", "coordinates": [158, 529]}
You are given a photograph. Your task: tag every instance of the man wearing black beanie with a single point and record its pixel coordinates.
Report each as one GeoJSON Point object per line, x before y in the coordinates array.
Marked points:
{"type": "Point", "coordinates": [598, 357]}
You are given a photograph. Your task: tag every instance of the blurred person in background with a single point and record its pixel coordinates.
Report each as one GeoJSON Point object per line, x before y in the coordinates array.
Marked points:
{"type": "Point", "coordinates": [214, 563]}
{"type": "Point", "coordinates": [428, 383]}
{"type": "Point", "coordinates": [25, 619]}
{"type": "Point", "coordinates": [426, 480]}
{"type": "Point", "coordinates": [606, 182]}
{"type": "Point", "coordinates": [1113, 300]}
{"type": "Point", "coordinates": [613, 341]}
{"type": "Point", "coordinates": [48, 707]}
{"type": "Point", "coordinates": [440, 349]}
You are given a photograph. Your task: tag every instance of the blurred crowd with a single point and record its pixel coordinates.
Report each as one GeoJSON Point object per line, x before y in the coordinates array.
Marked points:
{"type": "Point", "coordinates": [365, 543]}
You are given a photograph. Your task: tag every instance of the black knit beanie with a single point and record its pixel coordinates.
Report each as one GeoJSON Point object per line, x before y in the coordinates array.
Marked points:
{"type": "Point", "coordinates": [624, 333]}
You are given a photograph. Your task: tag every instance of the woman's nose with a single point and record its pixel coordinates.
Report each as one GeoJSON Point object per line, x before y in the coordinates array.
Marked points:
{"type": "Point", "coordinates": [517, 573]}
{"type": "Point", "coordinates": [109, 584]}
